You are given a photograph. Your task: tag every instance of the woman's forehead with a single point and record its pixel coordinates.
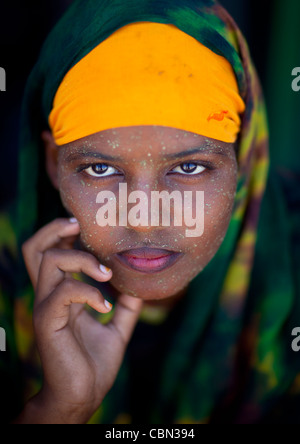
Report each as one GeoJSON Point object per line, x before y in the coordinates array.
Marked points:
{"type": "Point", "coordinates": [145, 140]}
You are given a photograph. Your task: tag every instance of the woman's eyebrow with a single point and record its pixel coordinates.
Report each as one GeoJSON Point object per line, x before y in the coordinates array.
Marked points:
{"type": "Point", "coordinates": [97, 155]}
{"type": "Point", "coordinates": [206, 149]}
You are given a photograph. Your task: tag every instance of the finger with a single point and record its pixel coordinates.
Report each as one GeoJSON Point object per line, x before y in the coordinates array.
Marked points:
{"type": "Point", "coordinates": [127, 312]}
{"type": "Point", "coordinates": [53, 233]}
{"type": "Point", "coordinates": [53, 313]}
{"type": "Point", "coordinates": [67, 243]}
{"type": "Point", "coordinates": [48, 237]}
{"type": "Point", "coordinates": [58, 264]}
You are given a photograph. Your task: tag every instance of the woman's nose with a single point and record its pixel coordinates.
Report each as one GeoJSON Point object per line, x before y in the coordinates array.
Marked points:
{"type": "Point", "coordinates": [139, 210]}
{"type": "Point", "coordinates": [148, 207]}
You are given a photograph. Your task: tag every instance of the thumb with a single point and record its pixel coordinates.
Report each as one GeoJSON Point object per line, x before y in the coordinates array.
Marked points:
{"type": "Point", "coordinates": [126, 316]}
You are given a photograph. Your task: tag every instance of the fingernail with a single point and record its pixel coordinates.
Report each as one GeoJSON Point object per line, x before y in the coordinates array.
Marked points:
{"type": "Point", "coordinates": [73, 220]}
{"type": "Point", "coordinates": [104, 269]}
{"type": "Point", "coordinates": [108, 305]}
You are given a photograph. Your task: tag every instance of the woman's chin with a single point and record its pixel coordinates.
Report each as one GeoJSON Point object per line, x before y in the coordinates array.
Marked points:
{"type": "Point", "coordinates": [156, 293]}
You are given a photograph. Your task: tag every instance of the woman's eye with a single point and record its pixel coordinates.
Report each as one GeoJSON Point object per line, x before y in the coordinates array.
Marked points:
{"type": "Point", "coordinates": [100, 170]}
{"type": "Point", "coordinates": [190, 169]}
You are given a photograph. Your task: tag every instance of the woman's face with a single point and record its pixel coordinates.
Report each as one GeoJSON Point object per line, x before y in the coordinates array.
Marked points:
{"type": "Point", "coordinates": [149, 158]}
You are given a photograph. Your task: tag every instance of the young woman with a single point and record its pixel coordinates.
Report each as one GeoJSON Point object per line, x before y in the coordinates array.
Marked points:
{"type": "Point", "coordinates": [161, 96]}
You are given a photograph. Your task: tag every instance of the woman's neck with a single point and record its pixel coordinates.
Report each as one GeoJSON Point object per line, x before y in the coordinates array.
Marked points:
{"type": "Point", "coordinates": [168, 302]}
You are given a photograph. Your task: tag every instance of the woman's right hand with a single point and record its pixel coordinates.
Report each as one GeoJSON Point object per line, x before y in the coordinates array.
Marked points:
{"type": "Point", "coordinates": [80, 357]}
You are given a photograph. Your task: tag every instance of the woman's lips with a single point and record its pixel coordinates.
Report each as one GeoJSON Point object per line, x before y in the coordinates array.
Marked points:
{"type": "Point", "coordinates": [148, 260]}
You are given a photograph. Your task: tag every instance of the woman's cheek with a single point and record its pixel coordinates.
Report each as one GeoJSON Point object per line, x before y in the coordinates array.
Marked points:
{"type": "Point", "coordinates": [81, 202]}
{"type": "Point", "coordinates": [218, 217]}
{"type": "Point", "coordinates": [219, 202]}
{"type": "Point", "coordinates": [77, 198]}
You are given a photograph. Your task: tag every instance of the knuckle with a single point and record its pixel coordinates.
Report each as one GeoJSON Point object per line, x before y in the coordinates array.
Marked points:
{"type": "Point", "coordinates": [82, 392]}
{"type": "Point", "coordinates": [26, 248]}
{"type": "Point", "coordinates": [94, 292]}
{"type": "Point", "coordinates": [50, 255]}
{"type": "Point", "coordinates": [38, 318]}
{"type": "Point", "coordinates": [67, 285]}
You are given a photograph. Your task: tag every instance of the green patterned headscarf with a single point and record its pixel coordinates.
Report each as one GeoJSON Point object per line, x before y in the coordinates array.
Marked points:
{"type": "Point", "coordinates": [226, 359]}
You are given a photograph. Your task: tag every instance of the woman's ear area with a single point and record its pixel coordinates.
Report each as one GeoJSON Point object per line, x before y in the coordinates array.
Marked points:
{"type": "Point", "coordinates": [51, 157]}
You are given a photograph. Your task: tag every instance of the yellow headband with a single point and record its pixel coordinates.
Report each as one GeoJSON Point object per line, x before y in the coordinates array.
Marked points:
{"type": "Point", "coordinates": [148, 74]}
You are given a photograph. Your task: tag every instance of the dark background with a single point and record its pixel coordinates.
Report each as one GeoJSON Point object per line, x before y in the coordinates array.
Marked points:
{"type": "Point", "coordinates": [272, 29]}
